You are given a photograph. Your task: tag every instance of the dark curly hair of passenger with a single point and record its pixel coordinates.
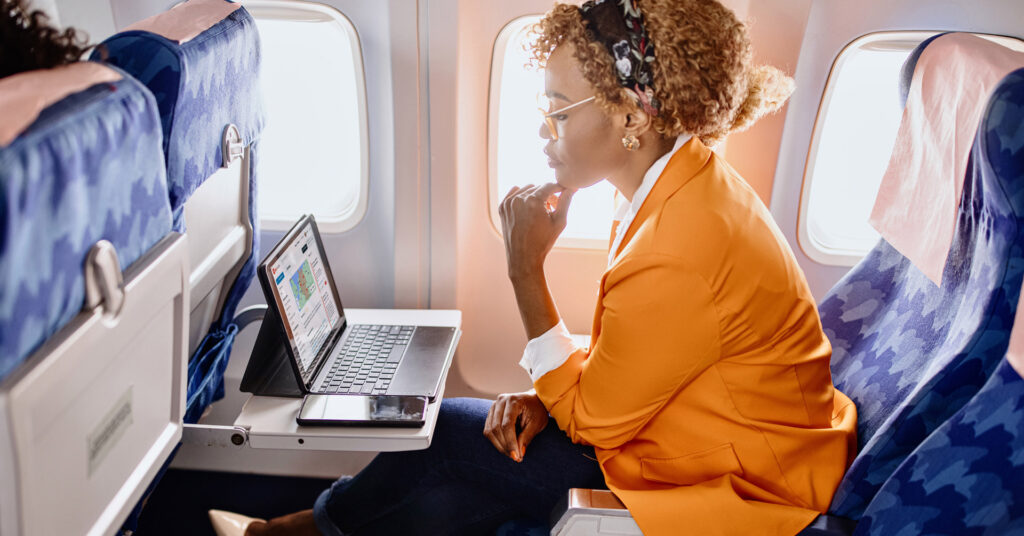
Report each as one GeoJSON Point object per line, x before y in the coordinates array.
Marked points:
{"type": "Point", "coordinates": [29, 42]}
{"type": "Point", "coordinates": [702, 69]}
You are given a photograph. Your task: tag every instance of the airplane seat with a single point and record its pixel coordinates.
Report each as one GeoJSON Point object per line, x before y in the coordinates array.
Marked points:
{"type": "Point", "coordinates": [909, 352]}
{"type": "Point", "coordinates": [201, 60]}
{"type": "Point", "coordinates": [968, 475]}
{"type": "Point", "coordinates": [92, 358]}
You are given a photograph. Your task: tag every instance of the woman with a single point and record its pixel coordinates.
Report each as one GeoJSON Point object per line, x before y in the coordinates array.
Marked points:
{"type": "Point", "coordinates": [705, 401]}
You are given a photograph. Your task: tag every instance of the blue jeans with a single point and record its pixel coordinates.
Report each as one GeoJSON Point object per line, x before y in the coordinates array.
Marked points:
{"type": "Point", "coordinates": [460, 485]}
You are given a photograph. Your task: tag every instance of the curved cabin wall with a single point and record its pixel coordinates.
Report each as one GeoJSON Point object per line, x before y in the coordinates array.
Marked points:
{"type": "Point", "coordinates": [775, 30]}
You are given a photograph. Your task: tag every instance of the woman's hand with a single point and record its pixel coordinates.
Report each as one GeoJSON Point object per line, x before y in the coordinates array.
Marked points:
{"type": "Point", "coordinates": [512, 409]}
{"type": "Point", "coordinates": [532, 217]}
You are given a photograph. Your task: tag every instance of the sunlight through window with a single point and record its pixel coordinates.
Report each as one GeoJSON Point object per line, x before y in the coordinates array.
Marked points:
{"type": "Point", "coordinates": [516, 148]}
{"type": "Point", "coordinates": [312, 155]}
{"type": "Point", "coordinates": [857, 126]}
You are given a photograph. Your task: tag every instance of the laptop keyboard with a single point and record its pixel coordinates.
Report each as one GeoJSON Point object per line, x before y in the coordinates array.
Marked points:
{"type": "Point", "coordinates": [368, 359]}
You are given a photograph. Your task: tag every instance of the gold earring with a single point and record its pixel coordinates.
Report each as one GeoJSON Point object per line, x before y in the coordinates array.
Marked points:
{"type": "Point", "coordinates": [630, 142]}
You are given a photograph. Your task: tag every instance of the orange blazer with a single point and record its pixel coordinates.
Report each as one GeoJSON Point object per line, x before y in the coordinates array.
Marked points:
{"type": "Point", "coordinates": [706, 391]}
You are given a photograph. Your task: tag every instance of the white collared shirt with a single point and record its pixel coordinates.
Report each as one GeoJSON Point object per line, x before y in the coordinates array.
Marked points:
{"type": "Point", "coordinates": [550, 350]}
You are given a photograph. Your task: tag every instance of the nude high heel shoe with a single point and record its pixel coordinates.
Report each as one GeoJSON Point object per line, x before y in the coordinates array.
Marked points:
{"type": "Point", "coordinates": [230, 523]}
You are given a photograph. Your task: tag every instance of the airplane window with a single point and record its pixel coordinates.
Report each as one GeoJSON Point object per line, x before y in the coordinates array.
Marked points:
{"type": "Point", "coordinates": [856, 129]}
{"type": "Point", "coordinates": [516, 154]}
{"type": "Point", "coordinates": [313, 153]}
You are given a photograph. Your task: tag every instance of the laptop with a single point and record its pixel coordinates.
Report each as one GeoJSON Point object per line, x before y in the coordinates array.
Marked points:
{"type": "Point", "coordinates": [332, 356]}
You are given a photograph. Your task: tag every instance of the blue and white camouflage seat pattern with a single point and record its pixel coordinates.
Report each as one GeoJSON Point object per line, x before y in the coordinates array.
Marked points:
{"type": "Point", "coordinates": [89, 168]}
{"type": "Point", "coordinates": [911, 354]}
{"type": "Point", "coordinates": [968, 476]}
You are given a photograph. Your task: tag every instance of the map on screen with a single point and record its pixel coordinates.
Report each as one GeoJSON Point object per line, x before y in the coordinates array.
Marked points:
{"type": "Point", "coordinates": [303, 284]}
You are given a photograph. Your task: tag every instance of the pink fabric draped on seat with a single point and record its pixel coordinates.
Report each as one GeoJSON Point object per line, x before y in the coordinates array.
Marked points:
{"type": "Point", "coordinates": [916, 207]}
{"type": "Point", "coordinates": [24, 95]}
{"type": "Point", "coordinates": [182, 25]}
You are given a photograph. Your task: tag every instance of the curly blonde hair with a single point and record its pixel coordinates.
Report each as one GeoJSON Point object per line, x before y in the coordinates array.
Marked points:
{"type": "Point", "coordinates": [702, 70]}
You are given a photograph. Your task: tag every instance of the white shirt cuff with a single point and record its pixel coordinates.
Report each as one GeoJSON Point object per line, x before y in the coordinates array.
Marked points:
{"type": "Point", "coordinates": [548, 351]}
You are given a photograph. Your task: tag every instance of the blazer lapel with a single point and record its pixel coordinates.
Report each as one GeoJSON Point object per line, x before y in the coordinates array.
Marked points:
{"type": "Point", "coordinates": [683, 166]}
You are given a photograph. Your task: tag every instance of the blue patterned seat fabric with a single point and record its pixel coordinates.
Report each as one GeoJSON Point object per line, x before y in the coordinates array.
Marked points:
{"type": "Point", "coordinates": [200, 86]}
{"type": "Point", "coordinates": [89, 168]}
{"type": "Point", "coordinates": [968, 476]}
{"type": "Point", "coordinates": [911, 354]}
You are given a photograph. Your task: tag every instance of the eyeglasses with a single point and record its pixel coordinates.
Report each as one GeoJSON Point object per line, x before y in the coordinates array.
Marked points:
{"type": "Point", "coordinates": [543, 103]}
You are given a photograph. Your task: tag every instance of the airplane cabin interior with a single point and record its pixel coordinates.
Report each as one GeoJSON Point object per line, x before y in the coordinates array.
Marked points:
{"type": "Point", "coordinates": [201, 210]}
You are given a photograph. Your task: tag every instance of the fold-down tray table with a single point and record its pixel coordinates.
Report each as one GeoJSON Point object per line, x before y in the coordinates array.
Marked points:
{"type": "Point", "coordinates": [269, 422]}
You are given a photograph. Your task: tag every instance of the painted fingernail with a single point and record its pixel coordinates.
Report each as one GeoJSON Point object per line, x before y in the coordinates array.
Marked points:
{"type": "Point", "coordinates": [516, 456]}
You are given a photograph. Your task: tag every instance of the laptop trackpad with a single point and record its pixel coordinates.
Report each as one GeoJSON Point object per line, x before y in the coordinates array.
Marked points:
{"type": "Point", "coordinates": [420, 371]}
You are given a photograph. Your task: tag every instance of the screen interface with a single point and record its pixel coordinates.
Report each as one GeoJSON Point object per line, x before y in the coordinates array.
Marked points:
{"type": "Point", "coordinates": [307, 302]}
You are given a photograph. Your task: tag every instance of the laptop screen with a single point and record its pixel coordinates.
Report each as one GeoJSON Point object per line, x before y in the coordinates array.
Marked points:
{"type": "Point", "coordinates": [306, 299]}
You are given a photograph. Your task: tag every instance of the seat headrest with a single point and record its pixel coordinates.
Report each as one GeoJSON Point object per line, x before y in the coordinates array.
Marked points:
{"type": "Point", "coordinates": [204, 76]}
{"type": "Point", "coordinates": [184, 22]}
{"type": "Point", "coordinates": [24, 95]}
{"type": "Point", "coordinates": [907, 71]}
{"type": "Point", "coordinates": [915, 211]}
{"type": "Point", "coordinates": [89, 167]}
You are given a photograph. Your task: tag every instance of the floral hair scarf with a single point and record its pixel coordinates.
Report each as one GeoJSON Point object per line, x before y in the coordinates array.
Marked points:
{"type": "Point", "coordinates": [618, 25]}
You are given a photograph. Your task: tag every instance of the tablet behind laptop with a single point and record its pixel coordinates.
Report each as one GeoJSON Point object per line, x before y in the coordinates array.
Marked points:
{"type": "Point", "coordinates": [331, 356]}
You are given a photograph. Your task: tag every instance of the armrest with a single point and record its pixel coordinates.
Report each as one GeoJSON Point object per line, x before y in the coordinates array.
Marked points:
{"type": "Point", "coordinates": [253, 313]}
{"type": "Point", "coordinates": [590, 512]}
{"type": "Point", "coordinates": [587, 512]}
